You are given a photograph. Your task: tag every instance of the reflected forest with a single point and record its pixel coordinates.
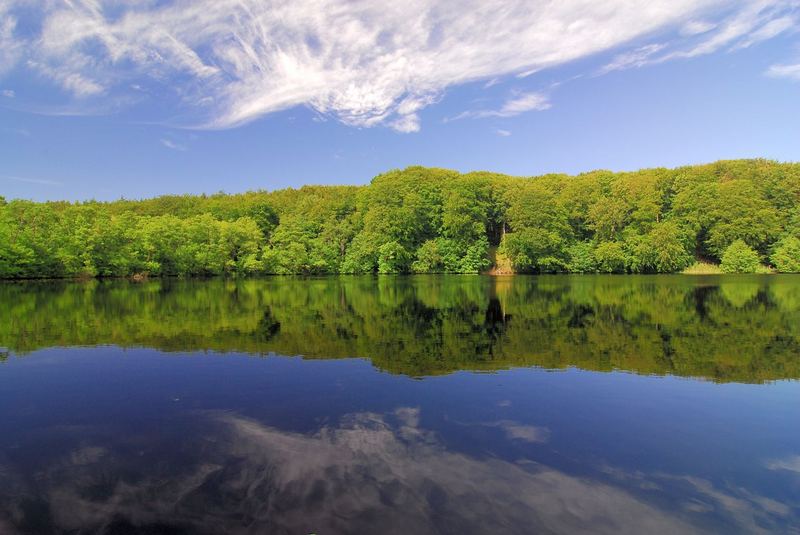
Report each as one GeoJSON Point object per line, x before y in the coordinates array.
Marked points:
{"type": "Point", "coordinates": [722, 328]}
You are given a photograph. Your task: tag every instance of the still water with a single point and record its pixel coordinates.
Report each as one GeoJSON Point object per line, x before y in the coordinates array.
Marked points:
{"type": "Point", "coordinates": [553, 404]}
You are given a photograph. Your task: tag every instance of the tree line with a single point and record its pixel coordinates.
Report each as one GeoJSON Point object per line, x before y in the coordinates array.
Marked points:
{"type": "Point", "coordinates": [739, 215]}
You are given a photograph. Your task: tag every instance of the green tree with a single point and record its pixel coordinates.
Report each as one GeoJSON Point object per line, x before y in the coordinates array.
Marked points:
{"type": "Point", "coordinates": [541, 231]}
{"type": "Point", "coordinates": [475, 258]}
{"type": "Point", "coordinates": [361, 255]}
{"type": "Point", "coordinates": [742, 213]}
{"type": "Point", "coordinates": [610, 257]}
{"type": "Point", "coordinates": [739, 258]}
{"type": "Point", "coordinates": [265, 217]}
{"type": "Point", "coordinates": [535, 250]}
{"type": "Point", "coordinates": [786, 256]}
{"type": "Point", "coordinates": [393, 258]}
{"type": "Point", "coordinates": [664, 249]}
{"type": "Point", "coordinates": [419, 219]}
{"type": "Point", "coordinates": [429, 258]}
{"type": "Point", "coordinates": [581, 258]}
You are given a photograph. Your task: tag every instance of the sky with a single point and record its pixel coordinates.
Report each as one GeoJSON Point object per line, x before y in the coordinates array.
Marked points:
{"type": "Point", "coordinates": [104, 99]}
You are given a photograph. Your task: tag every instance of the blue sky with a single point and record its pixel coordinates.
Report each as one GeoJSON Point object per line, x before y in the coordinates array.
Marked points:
{"type": "Point", "coordinates": [110, 99]}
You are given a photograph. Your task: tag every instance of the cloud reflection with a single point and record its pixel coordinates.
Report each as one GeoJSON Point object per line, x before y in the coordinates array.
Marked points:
{"type": "Point", "coordinates": [368, 472]}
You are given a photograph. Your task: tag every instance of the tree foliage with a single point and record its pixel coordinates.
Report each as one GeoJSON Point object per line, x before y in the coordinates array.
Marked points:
{"type": "Point", "coordinates": [786, 256]}
{"type": "Point", "coordinates": [739, 258]}
{"type": "Point", "coordinates": [422, 220]}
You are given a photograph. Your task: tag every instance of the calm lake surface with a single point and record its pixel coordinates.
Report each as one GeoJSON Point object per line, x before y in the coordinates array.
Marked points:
{"type": "Point", "coordinates": [430, 404]}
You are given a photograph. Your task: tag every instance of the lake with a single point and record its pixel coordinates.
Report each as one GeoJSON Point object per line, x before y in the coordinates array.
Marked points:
{"type": "Point", "coordinates": [426, 404]}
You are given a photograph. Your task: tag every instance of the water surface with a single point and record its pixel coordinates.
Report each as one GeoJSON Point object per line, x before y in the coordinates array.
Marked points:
{"type": "Point", "coordinates": [563, 404]}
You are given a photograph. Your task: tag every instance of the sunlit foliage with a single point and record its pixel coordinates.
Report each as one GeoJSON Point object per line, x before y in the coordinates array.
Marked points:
{"type": "Point", "coordinates": [423, 220]}
{"type": "Point", "coordinates": [739, 258]}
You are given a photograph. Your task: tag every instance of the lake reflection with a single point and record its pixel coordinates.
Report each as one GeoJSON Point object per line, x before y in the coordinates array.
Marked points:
{"type": "Point", "coordinates": [731, 328]}
{"type": "Point", "coordinates": [118, 436]}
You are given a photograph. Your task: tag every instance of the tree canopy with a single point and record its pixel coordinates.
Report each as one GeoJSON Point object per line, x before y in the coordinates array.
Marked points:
{"type": "Point", "coordinates": [424, 220]}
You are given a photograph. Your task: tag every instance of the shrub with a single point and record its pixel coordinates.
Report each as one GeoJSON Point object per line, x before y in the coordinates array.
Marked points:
{"type": "Point", "coordinates": [393, 258]}
{"type": "Point", "coordinates": [581, 258]}
{"type": "Point", "coordinates": [476, 259]}
{"type": "Point", "coordinates": [534, 249]}
{"type": "Point", "coordinates": [740, 258]}
{"type": "Point", "coordinates": [610, 257]}
{"type": "Point", "coordinates": [429, 258]}
{"type": "Point", "coordinates": [702, 268]}
{"type": "Point", "coordinates": [668, 250]}
{"type": "Point", "coordinates": [786, 256]}
{"type": "Point", "coordinates": [361, 256]}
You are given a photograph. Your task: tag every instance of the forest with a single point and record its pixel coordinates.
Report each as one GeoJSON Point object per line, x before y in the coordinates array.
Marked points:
{"type": "Point", "coordinates": [728, 216]}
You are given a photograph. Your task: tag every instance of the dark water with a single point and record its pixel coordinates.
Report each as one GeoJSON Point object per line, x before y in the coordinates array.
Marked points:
{"type": "Point", "coordinates": [420, 405]}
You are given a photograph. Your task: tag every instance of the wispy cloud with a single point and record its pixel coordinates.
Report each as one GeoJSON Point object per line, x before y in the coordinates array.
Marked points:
{"type": "Point", "coordinates": [785, 71]}
{"type": "Point", "coordinates": [8, 93]}
{"type": "Point", "coordinates": [520, 103]}
{"type": "Point", "coordinates": [227, 62]}
{"type": "Point", "coordinates": [634, 58]}
{"type": "Point", "coordinates": [70, 77]}
{"type": "Point", "coordinates": [173, 145]}
{"type": "Point", "coordinates": [516, 104]}
{"type": "Point", "coordinates": [10, 46]}
{"type": "Point", "coordinates": [753, 23]}
{"type": "Point", "coordinates": [32, 180]}
{"type": "Point", "coordinates": [744, 25]}
{"type": "Point", "coordinates": [771, 29]}
{"type": "Point", "coordinates": [502, 133]}
{"type": "Point", "coordinates": [696, 27]}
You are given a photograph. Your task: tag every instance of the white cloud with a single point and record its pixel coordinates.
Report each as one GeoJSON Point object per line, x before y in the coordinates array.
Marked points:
{"type": "Point", "coordinates": [517, 104]}
{"type": "Point", "coordinates": [752, 23]}
{"type": "Point", "coordinates": [9, 46]}
{"type": "Point", "coordinates": [755, 22]}
{"type": "Point", "coordinates": [70, 78]}
{"type": "Point", "coordinates": [521, 103]}
{"type": "Point", "coordinates": [785, 71]}
{"type": "Point", "coordinates": [635, 58]}
{"type": "Point", "coordinates": [771, 29]}
{"type": "Point", "coordinates": [365, 62]}
{"type": "Point", "coordinates": [502, 133]}
{"type": "Point", "coordinates": [406, 123]}
{"type": "Point", "coordinates": [173, 145]}
{"type": "Point", "coordinates": [696, 27]}
{"type": "Point", "coordinates": [8, 93]}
